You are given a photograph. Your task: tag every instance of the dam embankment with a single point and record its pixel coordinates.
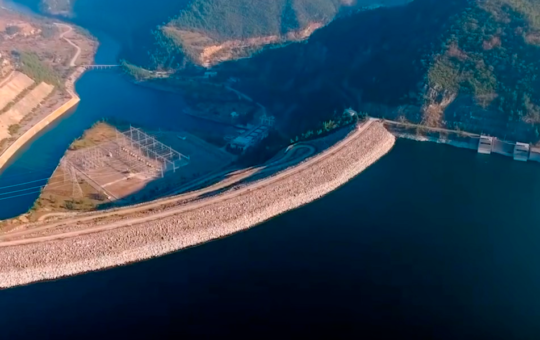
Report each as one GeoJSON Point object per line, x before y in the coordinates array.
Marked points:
{"type": "Point", "coordinates": [466, 140]}
{"type": "Point", "coordinates": [138, 238]}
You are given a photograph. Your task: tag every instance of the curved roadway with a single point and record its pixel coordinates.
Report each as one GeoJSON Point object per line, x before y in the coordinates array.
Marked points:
{"type": "Point", "coordinates": [237, 175]}
{"type": "Point", "coordinates": [77, 48]}
{"type": "Point", "coordinates": [274, 166]}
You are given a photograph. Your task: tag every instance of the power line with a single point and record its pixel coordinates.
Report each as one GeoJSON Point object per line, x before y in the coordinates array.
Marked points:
{"type": "Point", "coordinates": [19, 174]}
{"type": "Point", "coordinates": [53, 186]}
{"type": "Point", "coordinates": [41, 186]}
{"type": "Point", "coordinates": [48, 178]}
{"type": "Point", "coordinates": [29, 193]}
{"type": "Point", "coordinates": [17, 185]}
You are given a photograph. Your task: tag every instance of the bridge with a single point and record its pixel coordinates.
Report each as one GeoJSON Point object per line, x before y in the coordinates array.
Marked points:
{"type": "Point", "coordinates": [99, 67]}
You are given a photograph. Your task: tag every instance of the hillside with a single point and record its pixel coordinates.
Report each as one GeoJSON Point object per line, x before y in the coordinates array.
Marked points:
{"type": "Point", "coordinates": [174, 33]}
{"type": "Point", "coordinates": [463, 64]}
{"type": "Point", "coordinates": [210, 32]}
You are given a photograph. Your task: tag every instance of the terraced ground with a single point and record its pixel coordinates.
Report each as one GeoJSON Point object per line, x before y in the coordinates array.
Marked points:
{"type": "Point", "coordinates": [23, 107]}
{"type": "Point", "coordinates": [13, 87]}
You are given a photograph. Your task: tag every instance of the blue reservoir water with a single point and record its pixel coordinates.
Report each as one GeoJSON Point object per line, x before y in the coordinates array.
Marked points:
{"type": "Point", "coordinates": [431, 242]}
{"type": "Point", "coordinates": [104, 94]}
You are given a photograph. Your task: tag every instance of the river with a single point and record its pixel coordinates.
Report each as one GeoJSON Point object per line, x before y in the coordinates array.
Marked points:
{"type": "Point", "coordinates": [430, 242]}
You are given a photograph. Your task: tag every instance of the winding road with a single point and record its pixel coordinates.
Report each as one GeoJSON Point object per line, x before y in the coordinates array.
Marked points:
{"type": "Point", "coordinates": [290, 163]}
{"type": "Point", "coordinates": [77, 48]}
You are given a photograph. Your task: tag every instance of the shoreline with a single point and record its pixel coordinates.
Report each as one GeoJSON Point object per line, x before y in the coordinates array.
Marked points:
{"type": "Point", "coordinates": [35, 129]}
{"type": "Point", "coordinates": [459, 139]}
{"type": "Point", "coordinates": [49, 118]}
{"type": "Point", "coordinates": [446, 141]}
{"type": "Point", "coordinates": [199, 222]}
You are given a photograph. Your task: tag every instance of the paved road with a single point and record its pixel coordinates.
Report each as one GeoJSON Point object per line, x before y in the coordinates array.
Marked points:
{"type": "Point", "coordinates": [241, 174]}
{"type": "Point", "coordinates": [63, 36]}
{"type": "Point", "coordinates": [273, 180]}
{"type": "Point", "coordinates": [176, 210]}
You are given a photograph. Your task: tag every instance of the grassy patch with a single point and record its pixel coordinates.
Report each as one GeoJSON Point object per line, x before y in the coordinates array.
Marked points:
{"type": "Point", "coordinates": [31, 65]}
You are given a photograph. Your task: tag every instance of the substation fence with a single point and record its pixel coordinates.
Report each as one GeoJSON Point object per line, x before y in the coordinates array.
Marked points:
{"type": "Point", "coordinates": [131, 152]}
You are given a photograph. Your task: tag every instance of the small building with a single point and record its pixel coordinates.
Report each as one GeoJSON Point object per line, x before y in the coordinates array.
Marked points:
{"type": "Point", "coordinates": [521, 152]}
{"type": "Point", "coordinates": [250, 138]}
{"type": "Point", "coordinates": [485, 145]}
{"type": "Point", "coordinates": [534, 154]}
{"type": "Point", "coordinates": [241, 143]}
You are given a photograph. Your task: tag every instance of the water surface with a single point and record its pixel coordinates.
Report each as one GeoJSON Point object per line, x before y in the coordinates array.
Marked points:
{"type": "Point", "coordinates": [104, 94]}
{"type": "Point", "coordinates": [431, 241]}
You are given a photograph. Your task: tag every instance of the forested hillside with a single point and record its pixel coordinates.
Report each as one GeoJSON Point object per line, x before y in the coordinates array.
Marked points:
{"type": "Point", "coordinates": [463, 64]}
{"type": "Point", "coordinates": [212, 31]}
{"type": "Point", "coordinates": [162, 33]}
{"type": "Point", "coordinates": [130, 22]}
{"type": "Point", "coordinates": [226, 20]}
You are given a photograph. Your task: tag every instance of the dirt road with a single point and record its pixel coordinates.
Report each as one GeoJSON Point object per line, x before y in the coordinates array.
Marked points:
{"type": "Point", "coordinates": [108, 241]}
{"type": "Point", "coordinates": [77, 48]}
{"type": "Point", "coordinates": [175, 210]}
{"type": "Point", "coordinates": [282, 162]}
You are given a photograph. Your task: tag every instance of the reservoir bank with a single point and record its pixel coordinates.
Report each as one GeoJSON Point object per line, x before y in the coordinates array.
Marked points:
{"type": "Point", "coordinates": [104, 95]}
{"type": "Point", "coordinates": [431, 242]}
{"type": "Point", "coordinates": [445, 248]}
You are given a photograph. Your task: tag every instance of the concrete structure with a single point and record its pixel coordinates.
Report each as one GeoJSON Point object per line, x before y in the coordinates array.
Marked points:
{"type": "Point", "coordinates": [99, 67]}
{"type": "Point", "coordinates": [267, 120]}
{"type": "Point", "coordinates": [485, 145]}
{"type": "Point", "coordinates": [521, 152]}
{"type": "Point", "coordinates": [250, 138]}
{"type": "Point", "coordinates": [502, 147]}
{"type": "Point", "coordinates": [534, 154]}
{"type": "Point", "coordinates": [34, 130]}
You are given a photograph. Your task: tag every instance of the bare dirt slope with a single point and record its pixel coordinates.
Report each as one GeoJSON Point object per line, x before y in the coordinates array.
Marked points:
{"type": "Point", "coordinates": [13, 87]}
{"type": "Point", "coordinates": [23, 107]}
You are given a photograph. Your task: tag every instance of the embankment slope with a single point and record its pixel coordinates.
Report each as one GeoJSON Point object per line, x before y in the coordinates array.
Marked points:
{"type": "Point", "coordinates": [138, 238]}
{"type": "Point", "coordinates": [34, 130]}
{"type": "Point", "coordinates": [14, 86]}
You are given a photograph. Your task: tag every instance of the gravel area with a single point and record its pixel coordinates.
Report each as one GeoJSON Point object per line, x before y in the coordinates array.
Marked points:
{"type": "Point", "coordinates": [129, 240]}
